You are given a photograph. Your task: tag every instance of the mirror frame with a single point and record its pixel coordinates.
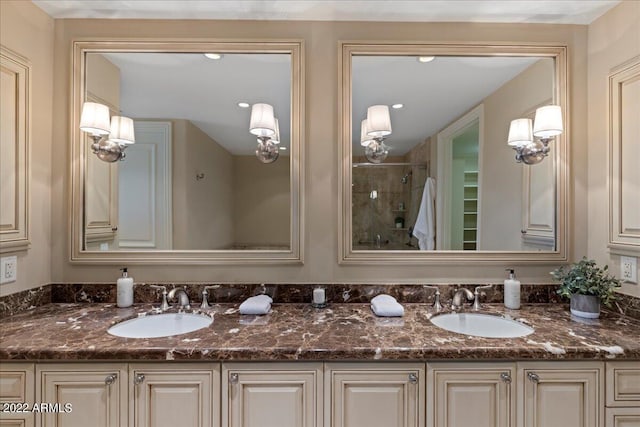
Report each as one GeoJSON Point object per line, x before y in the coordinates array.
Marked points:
{"type": "Point", "coordinates": [561, 150]}
{"type": "Point", "coordinates": [79, 151]}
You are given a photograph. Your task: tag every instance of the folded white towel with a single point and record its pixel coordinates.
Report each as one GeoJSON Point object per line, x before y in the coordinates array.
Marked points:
{"type": "Point", "coordinates": [386, 306]}
{"type": "Point", "coordinates": [260, 304]}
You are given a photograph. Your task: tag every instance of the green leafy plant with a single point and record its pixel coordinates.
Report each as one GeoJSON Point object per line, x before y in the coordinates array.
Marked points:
{"type": "Point", "coordinates": [586, 278]}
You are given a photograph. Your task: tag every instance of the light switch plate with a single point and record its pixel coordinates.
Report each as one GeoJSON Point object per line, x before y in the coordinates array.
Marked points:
{"type": "Point", "coordinates": [8, 269]}
{"type": "Point", "coordinates": [629, 269]}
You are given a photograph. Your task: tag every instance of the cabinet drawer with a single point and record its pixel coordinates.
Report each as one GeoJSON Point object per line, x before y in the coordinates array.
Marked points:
{"type": "Point", "coordinates": [622, 417]}
{"type": "Point", "coordinates": [623, 384]}
{"type": "Point", "coordinates": [17, 382]}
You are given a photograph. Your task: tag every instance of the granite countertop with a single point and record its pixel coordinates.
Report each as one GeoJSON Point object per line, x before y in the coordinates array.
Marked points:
{"type": "Point", "coordinates": [299, 332]}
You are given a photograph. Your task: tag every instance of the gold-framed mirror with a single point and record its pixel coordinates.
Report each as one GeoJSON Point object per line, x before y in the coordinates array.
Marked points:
{"type": "Point", "coordinates": [195, 186]}
{"type": "Point", "coordinates": [446, 122]}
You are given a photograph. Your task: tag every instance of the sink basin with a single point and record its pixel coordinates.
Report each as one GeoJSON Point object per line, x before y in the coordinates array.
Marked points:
{"type": "Point", "coordinates": [481, 325]}
{"type": "Point", "coordinates": [160, 325]}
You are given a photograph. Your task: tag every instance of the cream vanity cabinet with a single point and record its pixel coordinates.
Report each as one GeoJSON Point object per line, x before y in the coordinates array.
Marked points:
{"type": "Point", "coordinates": [272, 394]}
{"type": "Point", "coordinates": [471, 394]}
{"type": "Point", "coordinates": [16, 387]}
{"type": "Point", "coordinates": [374, 394]}
{"type": "Point", "coordinates": [138, 394]}
{"type": "Point", "coordinates": [622, 394]}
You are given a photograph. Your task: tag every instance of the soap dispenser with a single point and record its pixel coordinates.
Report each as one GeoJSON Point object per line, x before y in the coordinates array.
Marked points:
{"type": "Point", "coordinates": [512, 291]}
{"type": "Point", "coordinates": [125, 289]}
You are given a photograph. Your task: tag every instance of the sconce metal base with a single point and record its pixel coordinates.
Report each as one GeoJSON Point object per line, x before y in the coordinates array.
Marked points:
{"type": "Point", "coordinates": [106, 150]}
{"type": "Point", "coordinates": [267, 151]}
{"type": "Point", "coordinates": [533, 153]}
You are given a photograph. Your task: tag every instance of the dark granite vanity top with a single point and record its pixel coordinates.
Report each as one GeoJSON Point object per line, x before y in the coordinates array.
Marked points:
{"type": "Point", "coordinates": [291, 331]}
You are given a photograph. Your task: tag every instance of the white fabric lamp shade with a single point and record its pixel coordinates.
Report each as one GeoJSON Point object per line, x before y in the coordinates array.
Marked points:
{"type": "Point", "coordinates": [378, 121]}
{"type": "Point", "coordinates": [275, 139]}
{"type": "Point", "coordinates": [520, 133]}
{"type": "Point", "coordinates": [548, 121]}
{"type": "Point", "coordinates": [263, 122]}
{"type": "Point", "coordinates": [95, 118]}
{"type": "Point", "coordinates": [365, 139]}
{"type": "Point", "coordinates": [122, 130]}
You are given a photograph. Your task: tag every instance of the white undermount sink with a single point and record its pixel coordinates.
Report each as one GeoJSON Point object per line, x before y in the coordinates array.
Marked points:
{"type": "Point", "coordinates": [160, 325]}
{"type": "Point", "coordinates": [481, 325]}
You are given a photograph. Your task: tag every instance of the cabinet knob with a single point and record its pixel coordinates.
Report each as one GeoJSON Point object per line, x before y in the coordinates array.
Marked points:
{"type": "Point", "coordinates": [533, 377]}
{"type": "Point", "coordinates": [505, 377]}
{"type": "Point", "coordinates": [114, 228]}
{"type": "Point", "coordinates": [413, 378]}
{"type": "Point", "coordinates": [233, 378]}
{"type": "Point", "coordinates": [138, 379]}
{"type": "Point", "coordinates": [110, 379]}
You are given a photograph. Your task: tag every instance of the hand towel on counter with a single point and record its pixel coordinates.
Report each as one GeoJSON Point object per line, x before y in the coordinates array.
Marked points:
{"type": "Point", "coordinates": [425, 227]}
{"type": "Point", "coordinates": [259, 304]}
{"type": "Point", "coordinates": [386, 306]}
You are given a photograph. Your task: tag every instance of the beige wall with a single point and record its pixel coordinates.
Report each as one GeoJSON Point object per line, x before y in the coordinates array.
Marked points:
{"type": "Point", "coordinates": [514, 99]}
{"type": "Point", "coordinates": [261, 202]}
{"type": "Point", "coordinates": [28, 31]}
{"type": "Point", "coordinates": [613, 39]}
{"type": "Point", "coordinates": [202, 209]}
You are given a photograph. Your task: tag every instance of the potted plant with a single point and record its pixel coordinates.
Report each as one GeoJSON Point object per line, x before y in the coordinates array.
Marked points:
{"type": "Point", "coordinates": [587, 285]}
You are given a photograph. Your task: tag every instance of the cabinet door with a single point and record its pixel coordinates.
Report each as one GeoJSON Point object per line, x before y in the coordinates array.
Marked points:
{"type": "Point", "coordinates": [623, 384]}
{"type": "Point", "coordinates": [471, 394]}
{"type": "Point", "coordinates": [83, 394]}
{"type": "Point", "coordinates": [560, 394]}
{"type": "Point", "coordinates": [374, 395]}
{"type": "Point", "coordinates": [175, 395]}
{"type": "Point", "coordinates": [273, 395]}
{"type": "Point", "coordinates": [16, 386]}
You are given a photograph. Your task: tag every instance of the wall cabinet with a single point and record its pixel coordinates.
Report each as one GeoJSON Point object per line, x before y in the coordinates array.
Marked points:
{"type": "Point", "coordinates": [272, 395]}
{"type": "Point", "coordinates": [374, 395]}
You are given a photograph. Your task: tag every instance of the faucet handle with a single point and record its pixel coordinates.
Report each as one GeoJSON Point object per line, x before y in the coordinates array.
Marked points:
{"type": "Point", "coordinates": [436, 304]}
{"type": "Point", "coordinates": [205, 303]}
{"type": "Point", "coordinates": [476, 296]}
{"type": "Point", "coordinates": [165, 304]}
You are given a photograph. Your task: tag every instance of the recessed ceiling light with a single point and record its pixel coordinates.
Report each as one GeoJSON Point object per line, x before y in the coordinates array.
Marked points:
{"type": "Point", "coordinates": [243, 105]}
{"type": "Point", "coordinates": [213, 55]}
{"type": "Point", "coordinates": [282, 148]}
{"type": "Point", "coordinates": [425, 59]}
{"type": "Point", "coordinates": [397, 106]}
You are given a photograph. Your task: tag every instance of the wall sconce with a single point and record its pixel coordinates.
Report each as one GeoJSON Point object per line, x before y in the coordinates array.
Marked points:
{"type": "Point", "coordinates": [373, 130]}
{"type": "Point", "coordinates": [547, 124]}
{"type": "Point", "coordinates": [109, 140]}
{"type": "Point", "coordinates": [264, 125]}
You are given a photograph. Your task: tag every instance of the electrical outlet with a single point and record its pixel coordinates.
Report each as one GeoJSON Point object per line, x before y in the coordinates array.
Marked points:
{"type": "Point", "coordinates": [629, 269]}
{"type": "Point", "coordinates": [8, 269]}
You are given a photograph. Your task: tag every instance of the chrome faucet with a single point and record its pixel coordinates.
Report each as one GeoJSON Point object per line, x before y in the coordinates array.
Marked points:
{"type": "Point", "coordinates": [183, 298]}
{"type": "Point", "coordinates": [456, 302]}
{"type": "Point", "coordinates": [378, 241]}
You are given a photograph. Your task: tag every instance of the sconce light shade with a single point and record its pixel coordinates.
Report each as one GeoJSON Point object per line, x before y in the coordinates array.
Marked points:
{"type": "Point", "coordinates": [548, 122]}
{"type": "Point", "coordinates": [275, 139]}
{"type": "Point", "coordinates": [263, 122]}
{"type": "Point", "coordinates": [122, 130]}
{"type": "Point", "coordinates": [378, 121]}
{"type": "Point", "coordinates": [520, 133]}
{"type": "Point", "coordinates": [95, 118]}
{"type": "Point", "coordinates": [365, 139]}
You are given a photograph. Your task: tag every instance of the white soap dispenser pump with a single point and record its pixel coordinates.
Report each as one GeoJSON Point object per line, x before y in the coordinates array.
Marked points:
{"type": "Point", "coordinates": [125, 289]}
{"type": "Point", "coordinates": [512, 291]}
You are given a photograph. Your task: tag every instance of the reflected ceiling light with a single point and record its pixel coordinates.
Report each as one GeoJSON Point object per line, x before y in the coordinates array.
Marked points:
{"type": "Point", "coordinates": [282, 148]}
{"type": "Point", "coordinates": [110, 138]}
{"type": "Point", "coordinates": [214, 55]}
{"type": "Point", "coordinates": [397, 106]}
{"type": "Point", "coordinates": [425, 59]}
{"type": "Point", "coordinates": [263, 124]}
{"type": "Point", "coordinates": [243, 104]}
{"type": "Point", "coordinates": [523, 133]}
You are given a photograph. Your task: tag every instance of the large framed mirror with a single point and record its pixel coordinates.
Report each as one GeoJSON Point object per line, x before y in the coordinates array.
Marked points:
{"type": "Point", "coordinates": [427, 173]}
{"type": "Point", "coordinates": [200, 183]}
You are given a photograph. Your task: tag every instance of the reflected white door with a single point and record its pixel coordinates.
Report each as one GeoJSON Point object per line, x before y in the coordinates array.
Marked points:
{"type": "Point", "coordinates": [145, 219]}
